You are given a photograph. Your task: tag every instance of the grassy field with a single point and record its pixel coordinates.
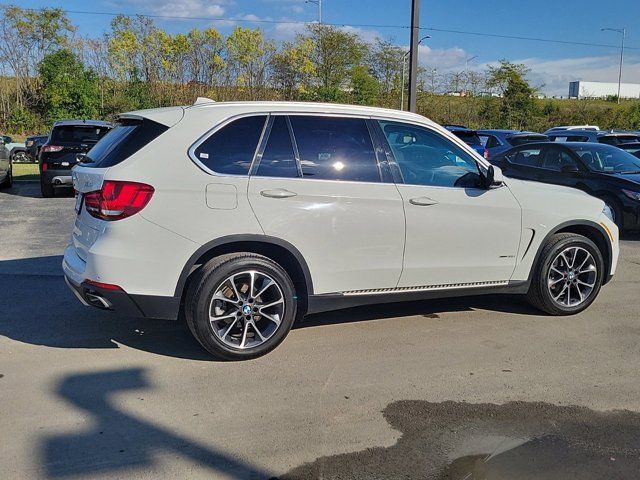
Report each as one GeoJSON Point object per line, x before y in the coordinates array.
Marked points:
{"type": "Point", "coordinates": [25, 171]}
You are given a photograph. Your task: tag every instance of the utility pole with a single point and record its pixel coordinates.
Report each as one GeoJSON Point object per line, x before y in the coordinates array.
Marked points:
{"type": "Point", "coordinates": [623, 32]}
{"type": "Point", "coordinates": [404, 68]}
{"type": "Point", "coordinates": [413, 54]}
{"type": "Point", "coordinates": [319, 3]}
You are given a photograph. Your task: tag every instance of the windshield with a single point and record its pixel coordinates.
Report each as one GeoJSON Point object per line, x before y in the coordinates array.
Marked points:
{"type": "Point", "coordinates": [607, 159]}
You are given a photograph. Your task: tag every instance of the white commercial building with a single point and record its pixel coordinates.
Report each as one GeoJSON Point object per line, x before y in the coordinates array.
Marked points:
{"type": "Point", "coordinates": [582, 89]}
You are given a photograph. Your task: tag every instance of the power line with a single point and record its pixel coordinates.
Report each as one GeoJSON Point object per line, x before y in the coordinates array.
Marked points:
{"type": "Point", "coordinates": [359, 25]}
{"type": "Point", "coordinates": [518, 37]}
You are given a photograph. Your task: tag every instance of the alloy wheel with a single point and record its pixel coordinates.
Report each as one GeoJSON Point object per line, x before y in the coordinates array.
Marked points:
{"type": "Point", "coordinates": [572, 277]}
{"type": "Point", "coordinates": [246, 309]}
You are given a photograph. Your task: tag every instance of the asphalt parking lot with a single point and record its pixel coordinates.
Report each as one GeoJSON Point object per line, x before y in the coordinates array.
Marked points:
{"type": "Point", "coordinates": [466, 388]}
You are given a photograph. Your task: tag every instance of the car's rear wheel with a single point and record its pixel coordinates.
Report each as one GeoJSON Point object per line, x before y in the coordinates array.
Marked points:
{"type": "Point", "coordinates": [240, 306]}
{"type": "Point", "coordinates": [568, 276]}
{"type": "Point", "coordinates": [46, 189]}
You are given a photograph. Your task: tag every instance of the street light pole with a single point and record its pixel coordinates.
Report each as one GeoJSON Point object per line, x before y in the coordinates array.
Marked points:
{"type": "Point", "coordinates": [413, 62]}
{"type": "Point", "coordinates": [623, 32]}
{"type": "Point", "coordinates": [404, 67]}
{"type": "Point", "coordinates": [319, 3]}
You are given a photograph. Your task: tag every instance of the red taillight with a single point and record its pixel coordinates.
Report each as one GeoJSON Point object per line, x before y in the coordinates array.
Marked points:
{"type": "Point", "coordinates": [52, 148]}
{"type": "Point", "coordinates": [117, 200]}
{"type": "Point", "coordinates": [44, 167]}
{"type": "Point", "coordinates": [486, 153]}
{"type": "Point", "coordinates": [103, 286]}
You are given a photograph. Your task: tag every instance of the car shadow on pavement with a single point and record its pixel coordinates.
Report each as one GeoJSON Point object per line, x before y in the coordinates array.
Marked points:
{"type": "Point", "coordinates": [39, 309]}
{"type": "Point", "coordinates": [31, 189]}
{"type": "Point", "coordinates": [426, 308]}
{"type": "Point", "coordinates": [118, 442]}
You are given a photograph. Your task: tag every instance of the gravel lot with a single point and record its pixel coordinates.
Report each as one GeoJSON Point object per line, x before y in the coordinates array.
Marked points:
{"type": "Point", "coordinates": [466, 388]}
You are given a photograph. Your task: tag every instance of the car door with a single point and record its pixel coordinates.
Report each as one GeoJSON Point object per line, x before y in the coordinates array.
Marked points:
{"type": "Point", "coordinates": [317, 184]}
{"type": "Point", "coordinates": [559, 167]}
{"type": "Point", "coordinates": [458, 233]}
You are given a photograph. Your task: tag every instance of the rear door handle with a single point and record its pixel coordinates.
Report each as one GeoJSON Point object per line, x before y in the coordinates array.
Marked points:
{"type": "Point", "coordinates": [277, 193]}
{"type": "Point", "coordinates": [423, 201]}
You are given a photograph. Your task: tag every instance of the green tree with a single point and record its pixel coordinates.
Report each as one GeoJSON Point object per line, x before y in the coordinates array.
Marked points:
{"type": "Point", "coordinates": [518, 105]}
{"type": "Point", "coordinates": [69, 89]}
{"type": "Point", "coordinates": [364, 87]}
{"type": "Point", "coordinates": [335, 53]}
{"type": "Point", "coordinates": [249, 56]}
{"type": "Point", "coordinates": [293, 68]}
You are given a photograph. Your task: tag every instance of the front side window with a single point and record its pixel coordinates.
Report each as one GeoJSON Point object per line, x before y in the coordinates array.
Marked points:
{"type": "Point", "coordinates": [556, 158]}
{"type": "Point", "coordinates": [607, 159]}
{"type": "Point", "coordinates": [335, 148]}
{"type": "Point", "coordinates": [231, 149]}
{"type": "Point", "coordinates": [427, 158]}
{"type": "Point", "coordinates": [278, 159]}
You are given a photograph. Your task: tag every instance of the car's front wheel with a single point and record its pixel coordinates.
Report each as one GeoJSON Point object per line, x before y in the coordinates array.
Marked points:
{"type": "Point", "coordinates": [568, 275]}
{"type": "Point", "coordinates": [240, 306]}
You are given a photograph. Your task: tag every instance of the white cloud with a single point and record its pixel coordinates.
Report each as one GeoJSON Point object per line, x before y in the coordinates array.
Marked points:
{"type": "Point", "coordinates": [553, 76]}
{"type": "Point", "coordinates": [180, 9]}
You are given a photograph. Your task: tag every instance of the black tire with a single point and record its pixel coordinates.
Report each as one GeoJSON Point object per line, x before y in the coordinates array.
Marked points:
{"type": "Point", "coordinates": [8, 181]}
{"type": "Point", "coordinates": [46, 189]}
{"type": "Point", "coordinates": [539, 295]}
{"type": "Point", "coordinates": [204, 285]}
{"type": "Point", "coordinates": [616, 208]}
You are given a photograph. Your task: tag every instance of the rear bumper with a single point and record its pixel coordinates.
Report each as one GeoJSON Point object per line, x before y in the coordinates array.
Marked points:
{"type": "Point", "coordinates": [57, 178]}
{"type": "Point", "coordinates": [147, 306]}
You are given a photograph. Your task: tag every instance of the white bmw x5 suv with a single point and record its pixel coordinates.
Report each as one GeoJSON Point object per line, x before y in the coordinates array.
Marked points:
{"type": "Point", "coordinates": [246, 216]}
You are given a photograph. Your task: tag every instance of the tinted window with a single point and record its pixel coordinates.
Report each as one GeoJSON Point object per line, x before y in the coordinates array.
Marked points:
{"type": "Point", "coordinates": [618, 139]}
{"type": "Point", "coordinates": [526, 157]}
{"type": "Point", "coordinates": [568, 138]}
{"type": "Point", "coordinates": [123, 141]}
{"type": "Point", "coordinates": [427, 158]}
{"type": "Point", "coordinates": [607, 159]}
{"type": "Point", "coordinates": [333, 148]}
{"type": "Point", "coordinates": [468, 137]}
{"type": "Point", "coordinates": [556, 158]}
{"type": "Point", "coordinates": [230, 150]}
{"type": "Point", "coordinates": [278, 159]}
{"type": "Point", "coordinates": [523, 139]}
{"type": "Point", "coordinates": [77, 134]}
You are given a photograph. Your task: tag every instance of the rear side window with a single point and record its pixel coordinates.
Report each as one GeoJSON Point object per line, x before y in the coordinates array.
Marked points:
{"type": "Point", "coordinates": [231, 149]}
{"type": "Point", "coordinates": [470, 138]}
{"type": "Point", "coordinates": [278, 159]}
{"type": "Point", "coordinates": [78, 133]}
{"type": "Point", "coordinates": [124, 140]}
{"type": "Point", "coordinates": [335, 148]}
{"type": "Point", "coordinates": [526, 157]}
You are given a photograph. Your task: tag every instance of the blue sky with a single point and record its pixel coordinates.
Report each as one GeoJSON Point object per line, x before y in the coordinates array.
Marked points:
{"type": "Point", "coordinates": [553, 65]}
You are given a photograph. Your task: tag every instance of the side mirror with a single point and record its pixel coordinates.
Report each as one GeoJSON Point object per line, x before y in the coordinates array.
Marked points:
{"type": "Point", "coordinates": [7, 139]}
{"type": "Point", "coordinates": [569, 169]}
{"type": "Point", "coordinates": [494, 177]}
{"type": "Point", "coordinates": [82, 158]}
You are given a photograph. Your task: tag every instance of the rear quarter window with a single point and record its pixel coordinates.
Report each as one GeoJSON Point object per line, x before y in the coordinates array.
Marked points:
{"type": "Point", "coordinates": [124, 140]}
{"type": "Point", "coordinates": [231, 149]}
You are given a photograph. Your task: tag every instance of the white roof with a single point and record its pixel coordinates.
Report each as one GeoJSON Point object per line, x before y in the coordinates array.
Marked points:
{"type": "Point", "coordinates": [171, 115]}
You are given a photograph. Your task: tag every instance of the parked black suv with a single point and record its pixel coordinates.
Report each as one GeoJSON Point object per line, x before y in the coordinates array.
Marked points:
{"type": "Point", "coordinates": [604, 171]}
{"type": "Point", "coordinates": [59, 154]}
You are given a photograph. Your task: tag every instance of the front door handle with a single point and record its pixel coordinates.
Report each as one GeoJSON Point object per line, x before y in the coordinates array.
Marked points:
{"type": "Point", "coordinates": [277, 193]}
{"type": "Point", "coordinates": [423, 201]}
